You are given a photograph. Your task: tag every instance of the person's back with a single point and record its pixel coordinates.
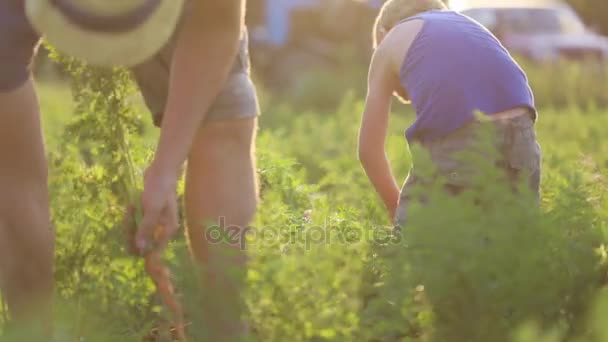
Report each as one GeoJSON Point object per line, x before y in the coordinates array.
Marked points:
{"type": "Point", "coordinates": [455, 67]}
{"type": "Point", "coordinates": [449, 67]}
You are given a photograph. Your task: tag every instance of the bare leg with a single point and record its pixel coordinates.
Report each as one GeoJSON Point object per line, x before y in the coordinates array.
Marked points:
{"type": "Point", "coordinates": [221, 190]}
{"type": "Point", "coordinates": [26, 239]}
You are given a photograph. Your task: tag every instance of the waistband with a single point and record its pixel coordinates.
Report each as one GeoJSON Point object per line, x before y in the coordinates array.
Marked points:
{"type": "Point", "coordinates": [511, 114]}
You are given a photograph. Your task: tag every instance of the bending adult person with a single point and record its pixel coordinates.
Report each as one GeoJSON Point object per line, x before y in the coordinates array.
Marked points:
{"type": "Point", "coordinates": [203, 101]}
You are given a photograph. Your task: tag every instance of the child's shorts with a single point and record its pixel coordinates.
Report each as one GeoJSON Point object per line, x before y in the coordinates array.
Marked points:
{"type": "Point", "coordinates": [19, 41]}
{"type": "Point", "coordinates": [515, 143]}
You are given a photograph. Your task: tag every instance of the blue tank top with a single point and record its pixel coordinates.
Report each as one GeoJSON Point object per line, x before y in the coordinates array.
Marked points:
{"type": "Point", "coordinates": [454, 68]}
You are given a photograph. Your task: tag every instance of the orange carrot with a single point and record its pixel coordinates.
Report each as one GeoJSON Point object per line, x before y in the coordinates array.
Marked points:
{"type": "Point", "coordinates": [158, 272]}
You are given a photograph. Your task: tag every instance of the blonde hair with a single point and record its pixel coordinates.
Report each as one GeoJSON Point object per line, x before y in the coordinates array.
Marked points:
{"type": "Point", "coordinates": [394, 11]}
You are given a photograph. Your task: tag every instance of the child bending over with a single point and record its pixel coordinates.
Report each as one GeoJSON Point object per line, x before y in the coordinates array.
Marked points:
{"type": "Point", "coordinates": [448, 67]}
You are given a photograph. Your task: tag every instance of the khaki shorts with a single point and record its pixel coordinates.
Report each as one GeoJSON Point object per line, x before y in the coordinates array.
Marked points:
{"type": "Point", "coordinates": [518, 154]}
{"type": "Point", "coordinates": [238, 98]}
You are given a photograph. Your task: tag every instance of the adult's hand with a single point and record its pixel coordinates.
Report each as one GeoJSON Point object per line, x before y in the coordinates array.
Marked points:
{"type": "Point", "coordinates": [159, 205]}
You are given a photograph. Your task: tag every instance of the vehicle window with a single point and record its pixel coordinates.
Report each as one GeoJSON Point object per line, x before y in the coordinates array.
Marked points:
{"type": "Point", "coordinates": [571, 23]}
{"type": "Point", "coordinates": [486, 17]}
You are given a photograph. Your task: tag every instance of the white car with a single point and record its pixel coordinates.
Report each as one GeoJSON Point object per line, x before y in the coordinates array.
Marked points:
{"type": "Point", "coordinates": [541, 30]}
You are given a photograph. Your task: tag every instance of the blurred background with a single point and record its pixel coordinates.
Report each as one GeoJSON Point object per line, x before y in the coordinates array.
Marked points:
{"type": "Point", "coordinates": [310, 60]}
{"type": "Point", "coordinates": [293, 36]}
{"type": "Point", "coordinates": [298, 45]}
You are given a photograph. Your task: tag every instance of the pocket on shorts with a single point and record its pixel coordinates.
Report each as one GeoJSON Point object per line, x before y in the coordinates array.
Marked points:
{"type": "Point", "coordinates": [524, 152]}
{"type": "Point", "coordinates": [449, 154]}
{"type": "Point", "coordinates": [238, 99]}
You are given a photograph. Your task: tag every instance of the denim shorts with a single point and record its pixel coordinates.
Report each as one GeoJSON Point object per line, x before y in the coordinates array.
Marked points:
{"type": "Point", "coordinates": [515, 143]}
{"type": "Point", "coordinates": [237, 99]}
{"type": "Point", "coordinates": [19, 41]}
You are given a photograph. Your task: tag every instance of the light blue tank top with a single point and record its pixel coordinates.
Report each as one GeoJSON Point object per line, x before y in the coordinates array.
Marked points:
{"type": "Point", "coordinates": [454, 68]}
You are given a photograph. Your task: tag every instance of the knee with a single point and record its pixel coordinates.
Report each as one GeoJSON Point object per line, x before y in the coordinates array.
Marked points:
{"type": "Point", "coordinates": [226, 137]}
{"type": "Point", "coordinates": [26, 201]}
{"type": "Point", "coordinates": [222, 166]}
{"type": "Point", "coordinates": [12, 77]}
{"type": "Point", "coordinates": [15, 65]}
{"type": "Point", "coordinates": [26, 256]}
{"type": "Point", "coordinates": [27, 224]}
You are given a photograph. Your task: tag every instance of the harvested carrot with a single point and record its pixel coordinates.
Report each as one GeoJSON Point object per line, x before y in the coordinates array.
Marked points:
{"type": "Point", "coordinates": [158, 272]}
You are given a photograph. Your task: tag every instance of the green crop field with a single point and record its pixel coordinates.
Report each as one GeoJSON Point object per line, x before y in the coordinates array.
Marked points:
{"type": "Point", "coordinates": [323, 266]}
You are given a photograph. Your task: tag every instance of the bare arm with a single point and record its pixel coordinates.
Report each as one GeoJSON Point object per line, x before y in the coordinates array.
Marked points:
{"type": "Point", "coordinates": [373, 131]}
{"type": "Point", "coordinates": [205, 50]}
{"type": "Point", "coordinates": [383, 81]}
{"type": "Point", "coordinates": [204, 54]}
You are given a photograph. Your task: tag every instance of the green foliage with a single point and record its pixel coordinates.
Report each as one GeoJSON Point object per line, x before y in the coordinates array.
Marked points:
{"type": "Point", "coordinates": [324, 264]}
{"type": "Point", "coordinates": [568, 85]}
{"type": "Point", "coordinates": [98, 164]}
{"type": "Point", "coordinates": [499, 262]}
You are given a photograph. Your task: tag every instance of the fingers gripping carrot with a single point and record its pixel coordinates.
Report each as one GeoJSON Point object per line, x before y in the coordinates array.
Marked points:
{"type": "Point", "coordinates": [158, 272]}
{"type": "Point", "coordinates": [162, 279]}
{"type": "Point", "coordinates": [161, 276]}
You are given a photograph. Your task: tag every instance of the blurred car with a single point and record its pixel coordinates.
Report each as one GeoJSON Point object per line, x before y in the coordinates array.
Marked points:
{"type": "Point", "coordinates": [541, 30]}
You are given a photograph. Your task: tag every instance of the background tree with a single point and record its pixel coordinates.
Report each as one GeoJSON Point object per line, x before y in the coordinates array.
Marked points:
{"type": "Point", "coordinates": [594, 13]}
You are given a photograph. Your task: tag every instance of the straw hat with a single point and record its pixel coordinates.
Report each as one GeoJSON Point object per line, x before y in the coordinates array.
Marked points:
{"type": "Point", "coordinates": [106, 32]}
